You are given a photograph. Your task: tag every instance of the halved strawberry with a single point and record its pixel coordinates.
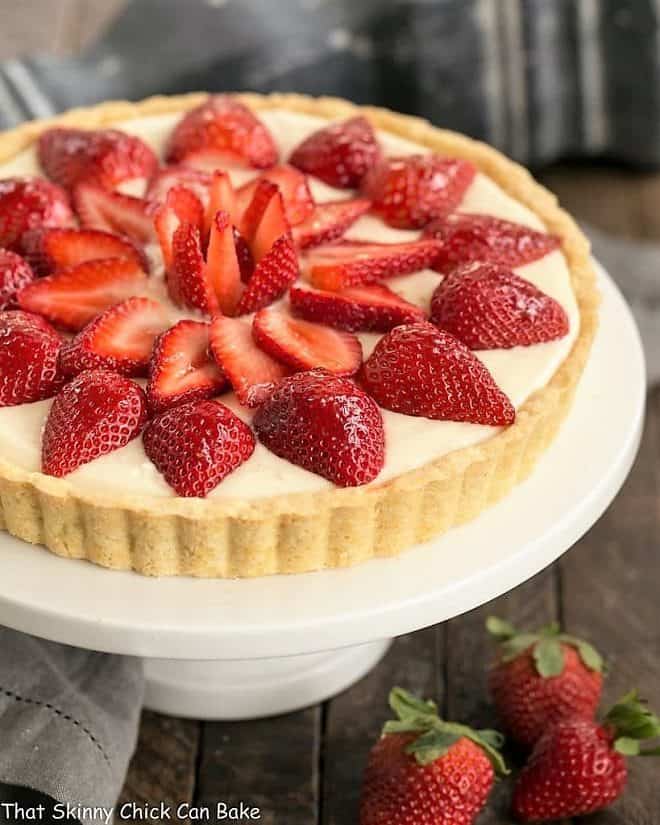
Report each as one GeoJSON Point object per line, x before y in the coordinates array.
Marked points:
{"type": "Point", "coordinates": [339, 154]}
{"type": "Point", "coordinates": [120, 339]}
{"type": "Point", "coordinates": [329, 221]}
{"type": "Point", "coordinates": [487, 306]}
{"type": "Point", "coordinates": [220, 131]}
{"type": "Point", "coordinates": [222, 266]}
{"type": "Point", "coordinates": [181, 367]}
{"type": "Point", "coordinates": [15, 273]}
{"type": "Point", "coordinates": [373, 308]}
{"type": "Point", "coordinates": [181, 206]}
{"type": "Point", "coordinates": [28, 359]}
{"type": "Point", "coordinates": [26, 203]}
{"type": "Point", "coordinates": [297, 199]}
{"type": "Point", "coordinates": [99, 208]}
{"type": "Point", "coordinates": [74, 295]}
{"type": "Point", "coordinates": [196, 445]}
{"type": "Point", "coordinates": [350, 263]}
{"type": "Point", "coordinates": [264, 220]}
{"type": "Point", "coordinates": [418, 369]}
{"type": "Point", "coordinates": [245, 259]}
{"type": "Point", "coordinates": [483, 238]}
{"type": "Point", "coordinates": [408, 192]}
{"type": "Point", "coordinates": [106, 157]}
{"type": "Point", "coordinates": [252, 372]}
{"type": "Point", "coordinates": [222, 197]}
{"type": "Point", "coordinates": [303, 345]}
{"type": "Point", "coordinates": [198, 182]}
{"type": "Point", "coordinates": [271, 277]}
{"type": "Point", "coordinates": [96, 413]}
{"type": "Point", "coordinates": [50, 249]}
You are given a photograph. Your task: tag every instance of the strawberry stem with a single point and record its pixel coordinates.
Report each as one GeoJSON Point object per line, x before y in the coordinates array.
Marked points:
{"type": "Point", "coordinates": [632, 722]}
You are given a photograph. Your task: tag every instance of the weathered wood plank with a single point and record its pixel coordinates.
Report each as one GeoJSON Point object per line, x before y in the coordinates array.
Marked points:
{"type": "Point", "coordinates": [355, 718]}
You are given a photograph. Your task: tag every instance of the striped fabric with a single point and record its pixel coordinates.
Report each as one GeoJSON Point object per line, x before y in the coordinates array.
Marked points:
{"type": "Point", "coordinates": [539, 79]}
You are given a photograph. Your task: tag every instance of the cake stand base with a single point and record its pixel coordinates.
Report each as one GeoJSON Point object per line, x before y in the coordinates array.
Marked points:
{"type": "Point", "coordinates": [251, 689]}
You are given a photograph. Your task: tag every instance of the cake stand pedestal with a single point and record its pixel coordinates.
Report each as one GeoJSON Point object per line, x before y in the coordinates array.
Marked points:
{"type": "Point", "coordinates": [248, 648]}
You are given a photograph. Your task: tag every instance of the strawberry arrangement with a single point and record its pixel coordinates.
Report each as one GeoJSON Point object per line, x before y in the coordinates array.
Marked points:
{"type": "Point", "coordinates": [546, 688]}
{"type": "Point", "coordinates": [116, 269]}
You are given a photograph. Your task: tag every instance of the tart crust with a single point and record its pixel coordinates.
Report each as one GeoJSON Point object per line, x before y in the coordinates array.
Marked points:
{"type": "Point", "coordinates": [307, 531]}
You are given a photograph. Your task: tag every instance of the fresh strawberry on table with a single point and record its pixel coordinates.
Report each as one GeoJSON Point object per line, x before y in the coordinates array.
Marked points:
{"type": "Point", "coordinates": [488, 306]}
{"type": "Point", "coordinates": [578, 766]}
{"type": "Point", "coordinates": [218, 132]}
{"type": "Point", "coordinates": [29, 349]}
{"type": "Point", "coordinates": [418, 369]}
{"type": "Point", "coordinates": [408, 192]}
{"type": "Point", "coordinates": [49, 249]}
{"type": "Point", "coordinates": [15, 273]}
{"type": "Point", "coordinates": [196, 445]}
{"type": "Point", "coordinates": [339, 154]}
{"type": "Point", "coordinates": [106, 157]}
{"type": "Point", "coordinates": [426, 771]}
{"type": "Point", "coordinates": [328, 221]}
{"type": "Point", "coordinates": [96, 413]}
{"type": "Point", "coordinates": [27, 203]}
{"type": "Point", "coordinates": [485, 239]}
{"type": "Point", "coordinates": [99, 208]}
{"type": "Point", "coordinates": [324, 423]}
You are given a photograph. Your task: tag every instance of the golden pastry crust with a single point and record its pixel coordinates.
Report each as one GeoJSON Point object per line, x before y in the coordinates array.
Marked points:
{"type": "Point", "coordinates": [307, 531]}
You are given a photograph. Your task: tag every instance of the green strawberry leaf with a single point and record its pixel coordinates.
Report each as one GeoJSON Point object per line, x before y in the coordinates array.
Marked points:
{"type": "Point", "coordinates": [432, 745]}
{"type": "Point", "coordinates": [407, 706]}
{"type": "Point", "coordinates": [626, 746]}
{"type": "Point", "coordinates": [500, 628]}
{"type": "Point", "coordinates": [549, 657]}
{"type": "Point", "coordinates": [591, 658]}
{"type": "Point", "coordinates": [631, 719]}
{"type": "Point", "coordinates": [512, 648]}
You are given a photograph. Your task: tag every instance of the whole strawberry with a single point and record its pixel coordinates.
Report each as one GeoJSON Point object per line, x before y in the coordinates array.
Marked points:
{"type": "Point", "coordinates": [540, 678]}
{"type": "Point", "coordinates": [578, 766]}
{"type": "Point", "coordinates": [15, 273]}
{"type": "Point", "coordinates": [27, 203]}
{"type": "Point", "coordinates": [425, 771]}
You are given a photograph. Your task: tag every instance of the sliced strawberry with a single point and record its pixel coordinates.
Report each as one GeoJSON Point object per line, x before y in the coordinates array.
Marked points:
{"type": "Point", "coordinates": [15, 273]}
{"type": "Point", "coordinates": [245, 259]}
{"type": "Point", "coordinates": [120, 339]}
{"type": "Point", "coordinates": [181, 206]}
{"type": "Point", "coordinates": [271, 278]}
{"type": "Point", "coordinates": [303, 345]}
{"type": "Point", "coordinates": [218, 132]}
{"type": "Point", "coordinates": [329, 221]}
{"type": "Point", "coordinates": [340, 154]}
{"type": "Point", "coordinates": [182, 368]}
{"type": "Point", "coordinates": [73, 296]}
{"type": "Point", "coordinates": [264, 221]}
{"type": "Point", "coordinates": [186, 279]}
{"type": "Point", "coordinates": [28, 359]}
{"type": "Point", "coordinates": [420, 370]}
{"type": "Point", "coordinates": [252, 372]}
{"type": "Point", "coordinates": [26, 203]}
{"type": "Point", "coordinates": [98, 208]}
{"type": "Point", "coordinates": [350, 263]}
{"type": "Point", "coordinates": [96, 413]}
{"type": "Point", "coordinates": [373, 308]}
{"type": "Point", "coordinates": [487, 306]}
{"type": "Point", "coordinates": [409, 192]}
{"type": "Point", "coordinates": [198, 182]}
{"type": "Point", "coordinates": [297, 199]}
{"type": "Point", "coordinates": [196, 445]}
{"type": "Point", "coordinates": [222, 267]}
{"type": "Point", "coordinates": [105, 157]}
{"type": "Point", "coordinates": [222, 197]}
{"type": "Point", "coordinates": [482, 238]}
{"type": "Point", "coordinates": [51, 249]}
{"type": "Point", "coordinates": [325, 424]}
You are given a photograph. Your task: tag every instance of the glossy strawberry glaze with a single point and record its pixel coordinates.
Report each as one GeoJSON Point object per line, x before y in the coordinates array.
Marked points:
{"type": "Point", "coordinates": [410, 441]}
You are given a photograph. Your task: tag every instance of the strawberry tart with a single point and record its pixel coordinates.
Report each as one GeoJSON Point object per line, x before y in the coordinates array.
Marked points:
{"type": "Point", "coordinates": [245, 335]}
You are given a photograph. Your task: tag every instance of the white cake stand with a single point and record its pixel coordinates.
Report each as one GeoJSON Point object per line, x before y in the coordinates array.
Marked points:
{"type": "Point", "coordinates": [250, 648]}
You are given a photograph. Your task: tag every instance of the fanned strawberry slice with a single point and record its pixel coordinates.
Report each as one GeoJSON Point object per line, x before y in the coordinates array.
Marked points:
{"type": "Point", "coordinates": [329, 221]}
{"type": "Point", "coordinates": [181, 367]}
{"type": "Point", "coordinates": [264, 220]}
{"type": "Point", "coordinates": [488, 306]}
{"type": "Point", "coordinates": [271, 277]}
{"type": "Point", "coordinates": [28, 359]}
{"type": "Point", "coordinates": [120, 339]}
{"type": "Point", "coordinates": [221, 198]}
{"type": "Point", "coordinates": [222, 267]}
{"type": "Point", "coordinates": [98, 208]}
{"type": "Point", "coordinates": [472, 238]}
{"type": "Point", "coordinates": [408, 192]}
{"type": "Point", "coordinates": [350, 263]}
{"type": "Point", "coordinates": [181, 206]}
{"type": "Point", "coordinates": [198, 182]}
{"type": "Point", "coordinates": [74, 295]}
{"type": "Point", "coordinates": [106, 157]}
{"type": "Point", "coordinates": [15, 273]}
{"type": "Point", "coordinates": [293, 186]}
{"type": "Point", "coordinates": [339, 154]}
{"type": "Point", "coordinates": [420, 370]}
{"type": "Point", "coordinates": [218, 132]}
{"type": "Point", "coordinates": [251, 371]}
{"type": "Point", "coordinates": [51, 249]}
{"type": "Point", "coordinates": [245, 259]}
{"type": "Point", "coordinates": [373, 308]}
{"type": "Point", "coordinates": [303, 345]}
{"type": "Point", "coordinates": [27, 203]}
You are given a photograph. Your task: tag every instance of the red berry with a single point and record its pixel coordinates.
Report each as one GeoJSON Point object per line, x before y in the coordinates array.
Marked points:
{"type": "Point", "coordinates": [29, 349]}
{"type": "Point", "coordinates": [99, 208]}
{"type": "Point", "coordinates": [15, 273]}
{"type": "Point", "coordinates": [329, 221]}
{"type": "Point", "coordinates": [196, 181]}
{"type": "Point", "coordinates": [271, 277]}
{"type": "Point", "coordinates": [181, 206]}
{"type": "Point", "coordinates": [28, 203]}
{"type": "Point", "coordinates": [297, 199]}
{"type": "Point", "coordinates": [50, 249]}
